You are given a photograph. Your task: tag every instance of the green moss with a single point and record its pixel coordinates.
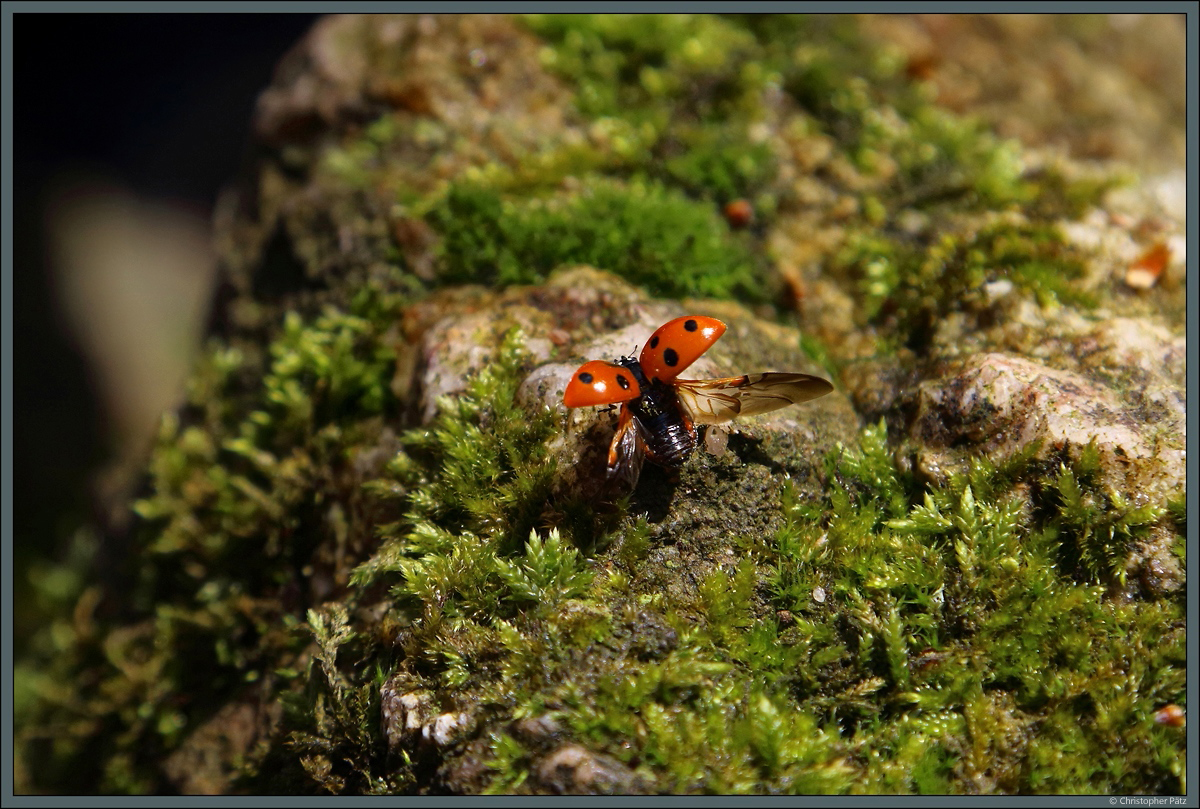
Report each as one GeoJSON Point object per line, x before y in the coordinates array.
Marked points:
{"type": "Point", "coordinates": [954, 633]}
{"type": "Point", "coordinates": [650, 235]}
{"type": "Point", "coordinates": [728, 604]}
{"type": "Point", "coordinates": [911, 155]}
{"type": "Point", "coordinates": [218, 483]}
{"type": "Point", "coordinates": [941, 157]}
{"type": "Point", "coordinates": [335, 721]}
{"type": "Point", "coordinates": [1097, 527]}
{"type": "Point", "coordinates": [550, 571]}
{"type": "Point", "coordinates": [698, 728]}
{"type": "Point", "coordinates": [233, 508]}
{"type": "Point", "coordinates": [1059, 196]}
{"type": "Point", "coordinates": [672, 100]}
{"type": "Point", "coordinates": [877, 637]}
{"type": "Point", "coordinates": [920, 156]}
{"type": "Point", "coordinates": [358, 163]}
{"type": "Point", "coordinates": [463, 560]}
{"type": "Point", "coordinates": [720, 164]}
{"type": "Point", "coordinates": [478, 476]}
{"type": "Point", "coordinates": [909, 290]}
{"type": "Point", "coordinates": [633, 65]}
{"type": "Point", "coordinates": [230, 514]}
{"type": "Point", "coordinates": [635, 543]}
{"type": "Point", "coordinates": [510, 762]}
{"type": "Point", "coordinates": [1177, 507]}
{"type": "Point", "coordinates": [882, 638]}
{"type": "Point", "coordinates": [996, 592]}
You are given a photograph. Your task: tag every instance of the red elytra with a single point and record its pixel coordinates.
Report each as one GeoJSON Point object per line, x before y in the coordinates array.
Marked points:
{"type": "Point", "coordinates": [659, 411]}
{"type": "Point", "coordinates": [677, 344]}
{"type": "Point", "coordinates": [600, 383]}
{"type": "Point", "coordinates": [671, 349]}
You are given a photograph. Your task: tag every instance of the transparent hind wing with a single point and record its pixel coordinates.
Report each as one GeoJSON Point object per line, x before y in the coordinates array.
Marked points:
{"type": "Point", "coordinates": [716, 401]}
{"type": "Point", "coordinates": [627, 450]}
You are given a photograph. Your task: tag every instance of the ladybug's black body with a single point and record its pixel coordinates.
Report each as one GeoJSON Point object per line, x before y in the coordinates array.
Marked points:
{"type": "Point", "coordinates": [669, 439]}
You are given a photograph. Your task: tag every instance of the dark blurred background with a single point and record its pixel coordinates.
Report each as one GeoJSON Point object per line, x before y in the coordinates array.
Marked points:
{"type": "Point", "coordinates": [125, 128]}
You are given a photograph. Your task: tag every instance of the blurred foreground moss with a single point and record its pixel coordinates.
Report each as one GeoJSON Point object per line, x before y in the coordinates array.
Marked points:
{"type": "Point", "coordinates": [247, 507]}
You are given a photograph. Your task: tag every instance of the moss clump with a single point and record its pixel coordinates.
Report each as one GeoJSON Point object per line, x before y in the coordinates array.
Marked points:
{"type": "Point", "coordinates": [920, 156]}
{"type": "Point", "coordinates": [650, 235]}
{"type": "Point", "coordinates": [719, 165]}
{"type": "Point", "coordinates": [882, 639]}
{"type": "Point", "coordinates": [678, 93]}
{"type": "Point", "coordinates": [995, 665]}
{"type": "Point", "coordinates": [479, 473]}
{"type": "Point", "coordinates": [216, 482]}
{"type": "Point", "coordinates": [908, 290]}
{"type": "Point", "coordinates": [1097, 526]}
{"type": "Point", "coordinates": [333, 722]}
{"type": "Point", "coordinates": [688, 84]}
{"type": "Point", "coordinates": [639, 65]}
{"type": "Point", "coordinates": [461, 558]}
{"type": "Point", "coordinates": [894, 152]}
{"type": "Point", "coordinates": [245, 491]}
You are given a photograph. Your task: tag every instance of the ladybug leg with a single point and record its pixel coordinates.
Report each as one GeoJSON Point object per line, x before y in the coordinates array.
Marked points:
{"type": "Point", "coordinates": [687, 422]}
{"type": "Point", "coordinates": [624, 422]}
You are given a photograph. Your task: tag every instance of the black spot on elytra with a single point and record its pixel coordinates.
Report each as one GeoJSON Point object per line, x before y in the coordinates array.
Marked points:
{"type": "Point", "coordinates": [586, 378]}
{"type": "Point", "coordinates": [671, 357]}
{"type": "Point", "coordinates": [622, 381]}
{"type": "Point", "coordinates": [654, 341]}
{"type": "Point", "coordinates": [691, 325]}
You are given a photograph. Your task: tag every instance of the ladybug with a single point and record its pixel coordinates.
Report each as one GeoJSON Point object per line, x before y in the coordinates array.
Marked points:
{"type": "Point", "coordinates": [659, 411]}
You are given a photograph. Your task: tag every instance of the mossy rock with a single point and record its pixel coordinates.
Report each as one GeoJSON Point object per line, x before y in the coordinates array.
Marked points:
{"type": "Point", "coordinates": [375, 554]}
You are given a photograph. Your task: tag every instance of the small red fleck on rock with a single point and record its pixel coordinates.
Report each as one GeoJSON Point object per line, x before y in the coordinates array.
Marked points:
{"type": "Point", "coordinates": [739, 213]}
{"type": "Point", "coordinates": [1144, 272]}
{"type": "Point", "coordinates": [921, 67]}
{"type": "Point", "coordinates": [1170, 715]}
